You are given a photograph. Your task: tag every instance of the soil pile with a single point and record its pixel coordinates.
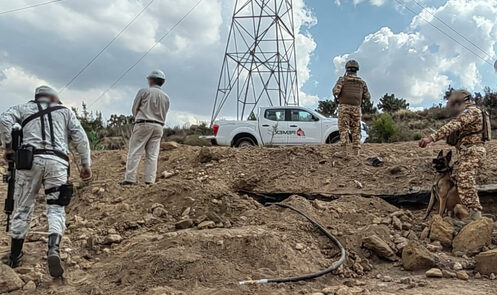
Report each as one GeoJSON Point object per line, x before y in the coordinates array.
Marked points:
{"type": "Point", "coordinates": [194, 233]}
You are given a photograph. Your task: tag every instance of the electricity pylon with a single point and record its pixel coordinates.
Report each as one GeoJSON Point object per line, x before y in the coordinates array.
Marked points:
{"type": "Point", "coordinates": [260, 64]}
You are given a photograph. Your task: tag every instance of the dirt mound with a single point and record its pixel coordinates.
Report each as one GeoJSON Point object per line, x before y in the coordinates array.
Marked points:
{"type": "Point", "coordinates": [195, 233]}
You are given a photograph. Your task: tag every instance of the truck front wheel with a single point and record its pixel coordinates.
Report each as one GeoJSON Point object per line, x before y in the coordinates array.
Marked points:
{"type": "Point", "coordinates": [244, 142]}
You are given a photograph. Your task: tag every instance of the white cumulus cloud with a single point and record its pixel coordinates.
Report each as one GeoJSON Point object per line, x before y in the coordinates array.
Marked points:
{"type": "Point", "coordinates": [50, 45]}
{"type": "Point", "coordinates": [419, 64]}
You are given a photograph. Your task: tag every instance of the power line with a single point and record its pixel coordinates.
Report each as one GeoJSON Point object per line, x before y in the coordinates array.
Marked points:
{"type": "Point", "coordinates": [145, 54]}
{"type": "Point", "coordinates": [450, 27]}
{"type": "Point", "coordinates": [443, 32]}
{"type": "Point", "coordinates": [30, 6]}
{"type": "Point", "coordinates": [106, 46]}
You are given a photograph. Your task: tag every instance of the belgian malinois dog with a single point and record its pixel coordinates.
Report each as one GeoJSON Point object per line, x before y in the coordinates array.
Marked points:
{"type": "Point", "coordinates": [444, 189]}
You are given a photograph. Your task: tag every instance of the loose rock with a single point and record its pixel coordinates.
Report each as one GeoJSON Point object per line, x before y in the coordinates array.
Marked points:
{"type": "Point", "coordinates": [397, 224]}
{"type": "Point", "coordinates": [168, 146]}
{"type": "Point", "coordinates": [30, 287]}
{"type": "Point", "coordinates": [434, 273]}
{"type": "Point", "coordinates": [441, 231]}
{"type": "Point", "coordinates": [425, 233]}
{"type": "Point", "coordinates": [434, 247]}
{"type": "Point", "coordinates": [449, 274]}
{"type": "Point", "coordinates": [462, 275]}
{"type": "Point", "coordinates": [486, 262]}
{"type": "Point", "coordinates": [9, 279]}
{"type": "Point", "coordinates": [184, 224]}
{"type": "Point", "coordinates": [206, 225]}
{"type": "Point", "coordinates": [299, 246]}
{"type": "Point", "coordinates": [417, 257]}
{"type": "Point", "coordinates": [380, 247]}
{"type": "Point", "coordinates": [113, 239]}
{"type": "Point", "coordinates": [473, 237]}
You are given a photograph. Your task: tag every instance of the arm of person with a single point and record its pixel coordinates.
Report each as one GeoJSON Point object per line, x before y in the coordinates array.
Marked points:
{"type": "Point", "coordinates": [454, 125]}
{"type": "Point", "coordinates": [137, 102]}
{"type": "Point", "coordinates": [80, 139]}
{"type": "Point", "coordinates": [7, 121]}
{"type": "Point", "coordinates": [365, 92]}
{"type": "Point", "coordinates": [338, 87]}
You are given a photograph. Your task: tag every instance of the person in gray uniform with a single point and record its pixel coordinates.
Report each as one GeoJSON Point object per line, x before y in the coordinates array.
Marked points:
{"type": "Point", "coordinates": [42, 160]}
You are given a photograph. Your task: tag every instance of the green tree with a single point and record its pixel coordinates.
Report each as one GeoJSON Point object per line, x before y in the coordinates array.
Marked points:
{"type": "Point", "coordinates": [368, 107]}
{"type": "Point", "coordinates": [448, 92]}
{"type": "Point", "coordinates": [383, 128]}
{"type": "Point", "coordinates": [391, 104]}
{"type": "Point", "coordinates": [327, 108]}
{"type": "Point", "coordinates": [89, 121]}
{"type": "Point", "coordinates": [93, 124]}
{"type": "Point", "coordinates": [117, 121]}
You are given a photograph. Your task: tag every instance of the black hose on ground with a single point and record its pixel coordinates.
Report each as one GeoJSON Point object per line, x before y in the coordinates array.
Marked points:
{"type": "Point", "coordinates": [328, 270]}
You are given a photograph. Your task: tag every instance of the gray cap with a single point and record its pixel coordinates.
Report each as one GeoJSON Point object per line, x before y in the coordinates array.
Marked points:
{"type": "Point", "coordinates": [46, 90]}
{"type": "Point", "coordinates": [157, 74]}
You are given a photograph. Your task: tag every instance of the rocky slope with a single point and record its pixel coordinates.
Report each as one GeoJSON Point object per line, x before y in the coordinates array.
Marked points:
{"type": "Point", "coordinates": [195, 233]}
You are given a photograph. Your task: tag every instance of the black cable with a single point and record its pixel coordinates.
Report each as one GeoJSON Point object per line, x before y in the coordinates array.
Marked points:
{"type": "Point", "coordinates": [30, 6]}
{"type": "Point", "coordinates": [106, 46]}
{"type": "Point", "coordinates": [145, 54]}
{"type": "Point", "coordinates": [328, 270]}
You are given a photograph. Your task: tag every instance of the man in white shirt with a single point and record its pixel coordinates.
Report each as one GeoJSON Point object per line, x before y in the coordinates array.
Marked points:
{"type": "Point", "coordinates": [149, 110]}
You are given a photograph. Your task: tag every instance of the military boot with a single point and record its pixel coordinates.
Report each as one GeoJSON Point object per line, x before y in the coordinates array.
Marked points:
{"type": "Point", "coordinates": [53, 256]}
{"type": "Point", "coordinates": [357, 152]}
{"type": "Point", "coordinates": [14, 259]}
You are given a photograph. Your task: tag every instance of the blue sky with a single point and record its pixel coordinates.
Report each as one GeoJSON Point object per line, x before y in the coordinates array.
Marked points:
{"type": "Point", "coordinates": [341, 29]}
{"type": "Point", "coordinates": [398, 51]}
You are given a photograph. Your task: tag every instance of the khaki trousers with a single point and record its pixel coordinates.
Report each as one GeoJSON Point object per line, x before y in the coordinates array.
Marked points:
{"type": "Point", "coordinates": [146, 140]}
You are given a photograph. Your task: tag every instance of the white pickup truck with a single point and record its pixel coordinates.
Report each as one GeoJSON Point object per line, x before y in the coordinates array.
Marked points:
{"type": "Point", "coordinates": [289, 125]}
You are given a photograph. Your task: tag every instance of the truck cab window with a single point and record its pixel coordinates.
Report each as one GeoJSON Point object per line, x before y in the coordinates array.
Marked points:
{"type": "Point", "coordinates": [301, 116]}
{"type": "Point", "coordinates": [275, 115]}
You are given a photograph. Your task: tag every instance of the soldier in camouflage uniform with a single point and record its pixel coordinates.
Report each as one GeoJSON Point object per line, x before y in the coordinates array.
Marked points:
{"type": "Point", "coordinates": [468, 129]}
{"type": "Point", "coordinates": [349, 91]}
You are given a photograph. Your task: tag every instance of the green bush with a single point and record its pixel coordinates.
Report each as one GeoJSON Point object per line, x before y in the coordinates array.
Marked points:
{"type": "Point", "coordinates": [383, 128]}
{"type": "Point", "coordinates": [418, 135]}
{"type": "Point", "coordinates": [94, 139]}
{"type": "Point", "coordinates": [196, 141]}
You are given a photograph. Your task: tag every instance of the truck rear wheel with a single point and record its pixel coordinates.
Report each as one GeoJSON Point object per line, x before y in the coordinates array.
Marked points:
{"type": "Point", "coordinates": [334, 138]}
{"type": "Point", "coordinates": [244, 142]}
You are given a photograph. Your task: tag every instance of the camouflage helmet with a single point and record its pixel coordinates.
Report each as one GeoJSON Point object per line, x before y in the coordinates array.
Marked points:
{"type": "Point", "coordinates": [459, 96]}
{"type": "Point", "coordinates": [352, 64]}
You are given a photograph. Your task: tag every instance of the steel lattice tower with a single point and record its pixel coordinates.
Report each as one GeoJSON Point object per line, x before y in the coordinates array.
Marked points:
{"type": "Point", "coordinates": [260, 65]}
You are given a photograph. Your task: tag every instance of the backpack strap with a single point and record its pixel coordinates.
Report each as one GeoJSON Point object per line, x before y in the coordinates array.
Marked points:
{"type": "Point", "coordinates": [41, 113]}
